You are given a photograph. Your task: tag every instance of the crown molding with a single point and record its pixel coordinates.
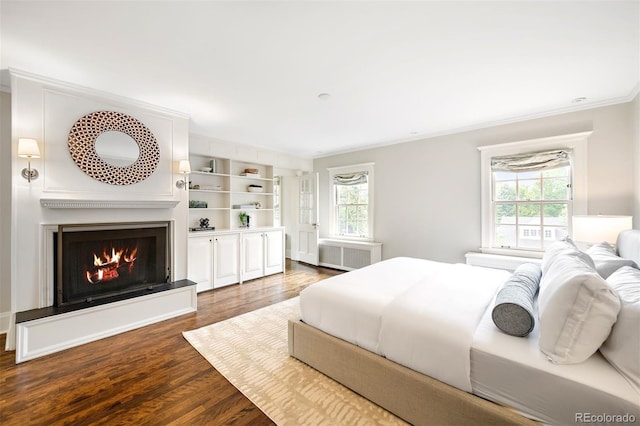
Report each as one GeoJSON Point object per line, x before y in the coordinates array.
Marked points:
{"type": "Point", "coordinates": [52, 83]}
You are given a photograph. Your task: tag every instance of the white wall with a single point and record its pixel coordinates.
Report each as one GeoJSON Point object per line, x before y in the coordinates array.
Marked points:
{"type": "Point", "coordinates": [635, 119]}
{"type": "Point", "coordinates": [427, 192]}
{"type": "Point", "coordinates": [5, 210]}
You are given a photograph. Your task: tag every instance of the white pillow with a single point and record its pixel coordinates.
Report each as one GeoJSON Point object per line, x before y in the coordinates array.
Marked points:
{"type": "Point", "coordinates": [577, 309]}
{"type": "Point", "coordinates": [622, 348]}
{"type": "Point", "coordinates": [560, 249]}
{"type": "Point", "coordinates": [606, 259]}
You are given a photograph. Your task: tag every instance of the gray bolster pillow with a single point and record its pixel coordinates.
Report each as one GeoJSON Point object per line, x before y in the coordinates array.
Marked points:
{"type": "Point", "coordinates": [513, 309]}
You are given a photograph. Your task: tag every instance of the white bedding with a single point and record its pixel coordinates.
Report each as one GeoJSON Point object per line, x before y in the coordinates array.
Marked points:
{"type": "Point", "coordinates": [403, 308]}
{"type": "Point", "coordinates": [512, 371]}
{"type": "Point", "coordinates": [429, 328]}
{"type": "Point", "coordinates": [435, 318]}
{"type": "Point", "coordinates": [349, 306]}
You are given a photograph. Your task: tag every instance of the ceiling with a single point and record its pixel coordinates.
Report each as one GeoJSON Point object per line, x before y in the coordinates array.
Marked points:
{"type": "Point", "coordinates": [251, 72]}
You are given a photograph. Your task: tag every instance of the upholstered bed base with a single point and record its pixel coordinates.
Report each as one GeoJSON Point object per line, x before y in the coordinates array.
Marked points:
{"type": "Point", "coordinates": [414, 397]}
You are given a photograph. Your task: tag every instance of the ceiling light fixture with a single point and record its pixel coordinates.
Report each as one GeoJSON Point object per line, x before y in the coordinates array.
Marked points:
{"type": "Point", "coordinates": [578, 100]}
{"type": "Point", "coordinates": [324, 96]}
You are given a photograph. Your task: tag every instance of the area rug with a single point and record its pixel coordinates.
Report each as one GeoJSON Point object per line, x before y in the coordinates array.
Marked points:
{"type": "Point", "coordinates": [251, 352]}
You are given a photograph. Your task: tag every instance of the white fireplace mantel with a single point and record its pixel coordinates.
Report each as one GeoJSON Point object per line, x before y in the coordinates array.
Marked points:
{"type": "Point", "coordinates": [65, 203]}
{"type": "Point", "coordinates": [46, 109]}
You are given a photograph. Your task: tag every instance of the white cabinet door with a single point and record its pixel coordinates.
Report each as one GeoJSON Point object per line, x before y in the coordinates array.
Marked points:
{"type": "Point", "coordinates": [200, 262]}
{"type": "Point", "coordinates": [226, 265]}
{"type": "Point", "coordinates": [274, 252]}
{"type": "Point", "coordinates": [252, 255]}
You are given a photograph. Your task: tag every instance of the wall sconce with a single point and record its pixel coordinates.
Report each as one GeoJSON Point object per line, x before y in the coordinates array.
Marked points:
{"type": "Point", "coordinates": [28, 148]}
{"type": "Point", "coordinates": [597, 228]}
{"type": "Point", "coordinates": [185, 169]}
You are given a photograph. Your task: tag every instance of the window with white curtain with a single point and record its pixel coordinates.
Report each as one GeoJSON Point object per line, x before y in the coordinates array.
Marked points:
{"type": "Point", "coordinates": [530, 190]}
{"type": "Point", "coordinates": [531, 198]}
{"type": "Point", "coordinates": [352, 201]}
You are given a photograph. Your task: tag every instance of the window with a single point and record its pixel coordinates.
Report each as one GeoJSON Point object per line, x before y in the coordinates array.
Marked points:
{"type": "Point", "coordinates": [352, 201]}
{"type": "Point", "coordinates": [530, 190]}
{"type": "Point", "coordinates": [531, 199]}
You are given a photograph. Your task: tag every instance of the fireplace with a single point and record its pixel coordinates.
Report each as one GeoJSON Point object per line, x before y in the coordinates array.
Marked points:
{"type": "Point", "coordinates": [97, 261]}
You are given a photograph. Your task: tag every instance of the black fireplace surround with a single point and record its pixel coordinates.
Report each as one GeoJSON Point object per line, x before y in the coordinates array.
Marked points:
{"type": "Point", "coordinates": [96, 261]}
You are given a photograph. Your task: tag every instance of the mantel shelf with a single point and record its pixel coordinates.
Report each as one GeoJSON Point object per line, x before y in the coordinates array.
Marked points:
{"type": "Point", "coordinates": [58, 203]}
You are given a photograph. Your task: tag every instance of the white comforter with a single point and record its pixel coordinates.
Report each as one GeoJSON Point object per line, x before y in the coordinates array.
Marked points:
{"type": "Point", "coordinates": [349, 306]}
{"type": "Point", "coordinates": [430, 327]}
{"type": "Point", "coordinates": [418, 313]}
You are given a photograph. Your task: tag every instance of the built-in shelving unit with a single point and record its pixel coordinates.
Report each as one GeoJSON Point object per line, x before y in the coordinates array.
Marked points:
{"type": "Point", "coordinates": [221, 194]}
{"type": "Point", "coordinates": [232, 253]}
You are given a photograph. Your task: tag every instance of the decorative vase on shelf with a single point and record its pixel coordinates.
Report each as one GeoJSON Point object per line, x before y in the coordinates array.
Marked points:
{"type": "Point", "coordinates": [244, 219]}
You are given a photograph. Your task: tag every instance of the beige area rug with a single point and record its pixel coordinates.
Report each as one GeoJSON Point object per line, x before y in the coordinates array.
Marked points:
{"type": "Point", "coordinates": [251, 352]}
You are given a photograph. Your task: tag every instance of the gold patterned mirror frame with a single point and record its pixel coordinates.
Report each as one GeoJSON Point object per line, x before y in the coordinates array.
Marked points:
{"type": "Point", "coordinates": [82, 147]}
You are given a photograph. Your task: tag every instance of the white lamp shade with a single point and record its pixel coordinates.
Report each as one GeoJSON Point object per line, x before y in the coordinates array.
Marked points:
{"type": "Point", "coordinates": [28, 148]}
{"type": "Point", "coordinates": [598, 228]}
{"type": "Point", "coordinates": [184, 167]}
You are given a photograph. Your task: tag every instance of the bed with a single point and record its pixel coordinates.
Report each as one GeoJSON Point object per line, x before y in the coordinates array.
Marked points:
{"type": "Point", "coordinates": [446, 362]}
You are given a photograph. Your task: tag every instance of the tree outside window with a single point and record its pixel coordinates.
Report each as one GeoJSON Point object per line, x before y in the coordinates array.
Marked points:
{"type": "Point", "coordinates": [352, 204]}
{"type": "Point", "coordinates": [535, 202]}
{"type": "Point", "coordinates": [352, 201]}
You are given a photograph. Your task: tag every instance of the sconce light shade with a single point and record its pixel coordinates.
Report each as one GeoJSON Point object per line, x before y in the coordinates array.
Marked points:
{"type": "Point", "coordinates": [597, 228]}
{"type": "Point", "coordinates": [185, 167]}
{"type": "Point", "coordinates": [28, 148]}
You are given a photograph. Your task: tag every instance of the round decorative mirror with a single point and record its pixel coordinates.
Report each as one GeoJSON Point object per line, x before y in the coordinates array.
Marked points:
{"type": "Point", "coordinates": [117, 148]}
{"type": "Point", "coordinates": [113, 148]}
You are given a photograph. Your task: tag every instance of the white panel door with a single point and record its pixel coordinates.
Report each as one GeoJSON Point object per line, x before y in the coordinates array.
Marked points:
{"type": "Point", "coordinates": [226, 265]}
{"type": "Point", "coordinates": [252, 255]}
{"type": "Point", "coordinates": [274, 252]}
{"type": "Point", "coordinates": [307, 218]}
{"type": "Point", "coordinates": [200, 262]}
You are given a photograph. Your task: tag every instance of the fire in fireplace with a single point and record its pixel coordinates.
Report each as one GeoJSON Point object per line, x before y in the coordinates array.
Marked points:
{"type": "Point", "coordinates": [102, 260]}
{"type": "Point", "coordinates": [110, 266]}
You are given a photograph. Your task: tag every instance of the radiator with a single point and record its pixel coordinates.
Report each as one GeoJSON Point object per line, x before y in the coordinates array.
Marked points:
{"type": "Point", "coordinates": [348, 255]}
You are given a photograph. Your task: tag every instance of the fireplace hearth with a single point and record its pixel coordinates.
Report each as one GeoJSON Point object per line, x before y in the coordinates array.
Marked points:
{"type": "Point", "coordinates": [102, 280]}
{"type": "Point", "coordinates": [96, 261]}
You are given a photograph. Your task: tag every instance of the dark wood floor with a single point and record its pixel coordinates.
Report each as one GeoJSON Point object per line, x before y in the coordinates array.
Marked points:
{"type": "Point", "coordinates": [149, 376]}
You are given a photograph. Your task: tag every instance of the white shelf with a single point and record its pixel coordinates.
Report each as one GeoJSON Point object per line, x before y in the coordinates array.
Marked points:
{"type": "Point", "coordinates": [253, 178]}
{"type": "Point", "coordinates": [252, 193]}
{"type": "Point", "coordinates": [197, 172]}
{"type": "Point", "coordinates": [215, 191]}
{"type": "Point", "coordinates": [233, 191]}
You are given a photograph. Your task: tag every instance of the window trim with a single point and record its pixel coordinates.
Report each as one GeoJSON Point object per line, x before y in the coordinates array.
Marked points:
{"type": "Point", "coordinates": [366, 167]}
{"type": "Point", "coordinates": [577, 142]}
